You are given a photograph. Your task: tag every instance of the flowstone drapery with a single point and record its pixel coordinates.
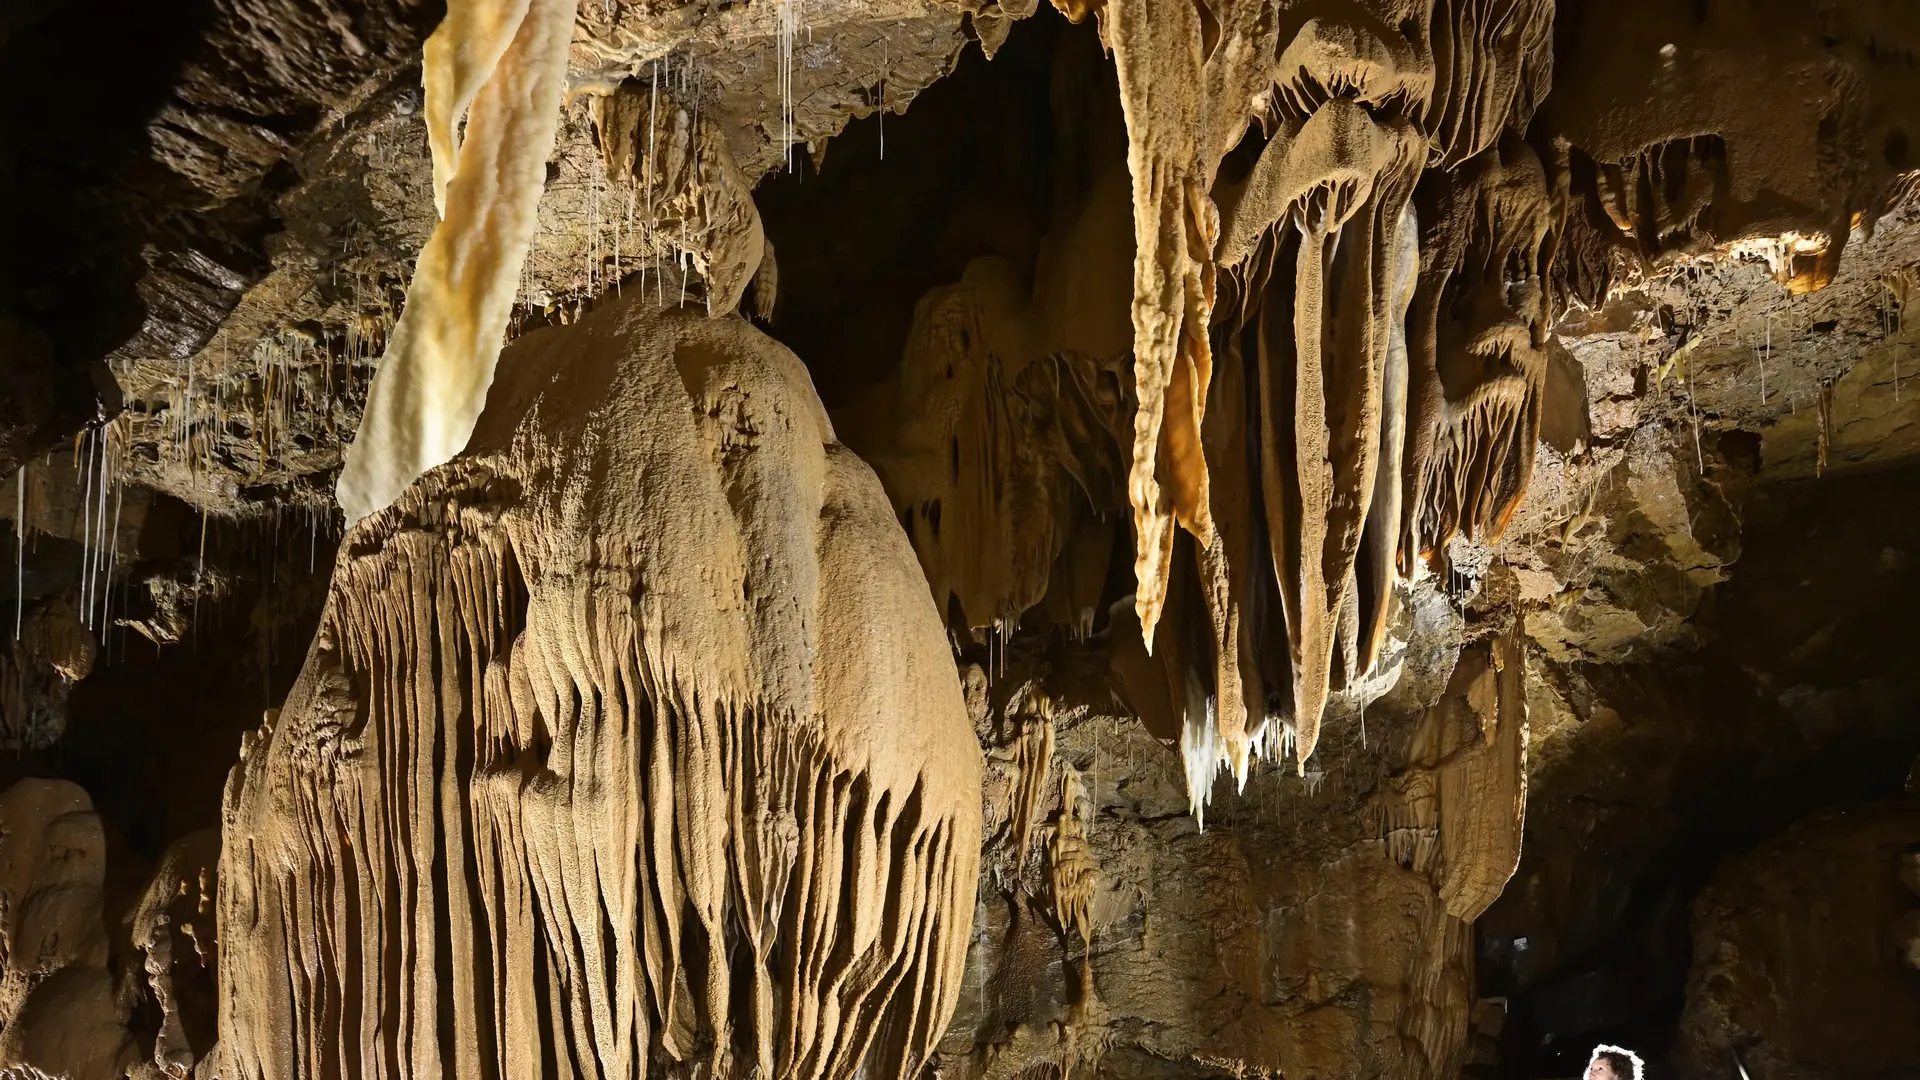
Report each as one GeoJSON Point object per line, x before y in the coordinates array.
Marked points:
{"type": "Point", "coordinates": [629, 744]}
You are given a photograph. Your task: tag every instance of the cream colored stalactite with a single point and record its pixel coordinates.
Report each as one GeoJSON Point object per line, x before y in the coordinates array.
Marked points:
{"type": "Point", "coordinates": [1492, 66]}
{"type": "Point", "coordinates": [1382, 539]}
{"type": "Point", "coordinates": [1033, 760]}
{"type": "Point", "coordinates": [1189, 78]}
{"type": "Point", "coordinates": [1323, 380]}
{"type": "Point", "coordinates": [1323, 252]}
{"type": "Point", "coordinates": [1458, 812]}
{"type": "Point", "coordinates": [629, 737]}
{"type": "Point", "coordinates": [1222, 734]}
{"type": "Point", "coordinates": [1157, 51]}
{"type": "Point", "coordinates": [1072, 875]}
{"type": "Point", "coordinates": [504, 65]}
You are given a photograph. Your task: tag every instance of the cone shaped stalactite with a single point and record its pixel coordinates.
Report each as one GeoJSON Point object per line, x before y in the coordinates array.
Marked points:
{"type": "Point", "coordinates": [629, 740]}
{"type": "Point", "coordinates": [1156, 49]}
{"type": "Point", "coordinates": [1322, 356]}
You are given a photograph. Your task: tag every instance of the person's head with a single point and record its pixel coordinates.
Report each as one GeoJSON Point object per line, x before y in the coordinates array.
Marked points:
{"type": "Point", "coordinates": [1613, 1063]}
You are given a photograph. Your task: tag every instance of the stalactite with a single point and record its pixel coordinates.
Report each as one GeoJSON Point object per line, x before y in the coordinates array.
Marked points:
{"type": "Point", "coordinates": [629, 743]}
{"type": "Point", "coordinates": [53, 651]}
{"type": "Point", "coordinates": [1072, 875]}
{"type": "Point", "coordinates": [502, 67]}
{"type": "Point", "coordinates": [1163, 89]}
{"type": "Point", "coordinates": [1033, 760]}
{"type": "Point", "coordinates": [1318, 249]}
{"type": "Point", "coordinates": [1477, 336]}
{"type": "Point", "coordinates": [688, 192]}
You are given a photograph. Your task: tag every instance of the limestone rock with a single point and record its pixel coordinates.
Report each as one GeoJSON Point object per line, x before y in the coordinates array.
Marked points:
{"type": "Point", "coordinates": [174, 927]}
{"type": "Point", "coordinates": [1798, 953]}
{"type": "Point", "coordinates": [58, 1009]}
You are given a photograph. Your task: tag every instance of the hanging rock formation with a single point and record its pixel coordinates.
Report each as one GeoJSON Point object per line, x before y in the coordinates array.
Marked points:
{"type": "Point", "coordinates": [495, 72]}
{"type": "Point", "coordinates": [629, 742]}
{"type": "Point", "coordinates": [1477, 336]}
{"type": "Point", "coordinates": [1300, 527]}
{"type": "Point", "coordinates": [671, 169]}
{"type": "Point", "coordinates": [1457, 811]}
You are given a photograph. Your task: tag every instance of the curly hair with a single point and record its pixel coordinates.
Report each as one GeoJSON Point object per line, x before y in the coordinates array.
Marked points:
{"type": "Point", "coordinates": [1626, 1064]}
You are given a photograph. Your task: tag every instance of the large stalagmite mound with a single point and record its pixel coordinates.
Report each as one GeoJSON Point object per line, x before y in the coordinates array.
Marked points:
{"type": "Point", "coordinates": [630, 742]}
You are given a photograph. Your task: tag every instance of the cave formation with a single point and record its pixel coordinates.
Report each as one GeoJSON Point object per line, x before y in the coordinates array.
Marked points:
{"type": "Point", "coordinates": [1156, 539]}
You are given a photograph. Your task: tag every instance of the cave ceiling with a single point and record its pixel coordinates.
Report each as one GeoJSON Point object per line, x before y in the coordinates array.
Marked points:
{"type": "Point", "coordinates": [1157, 539]}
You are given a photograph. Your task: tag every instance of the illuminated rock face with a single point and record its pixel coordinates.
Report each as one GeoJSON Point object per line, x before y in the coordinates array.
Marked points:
{"type": "Point", "coordinates": [630, 741]}
{"type": "Point", "coordinates": [1286, 417]}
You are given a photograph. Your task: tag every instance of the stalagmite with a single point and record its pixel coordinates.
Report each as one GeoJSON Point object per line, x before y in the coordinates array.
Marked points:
{"type": "Point", "coordinates": [502, 66]}
{"type": "Point", "coordinates": [173, 927]}
{"type": "Point", "coordinates": [58, 1013]}
{"type": "Point", "coordinates": [630, 741]}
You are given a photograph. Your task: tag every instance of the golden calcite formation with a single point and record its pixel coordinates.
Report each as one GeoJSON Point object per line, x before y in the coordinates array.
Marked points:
{"type": "Point", "coordinates": [495, 71]}
{"type": "Point", "coordinates": [1477, 336]}
{"type": "Point", "coordinates": [1457, 812]}
{"type": "Point", "coordinates": [173, 927]}
{"type": "Point", "coordinates": [681, 181]}
{"type": "Point", "coordinates": [59, 1013]}
{"type": "Point", "coordinates": [1001, 436]}
{"type": "Point", "coordinates": [1286, 417]}
{"type": "Point", "coordinates": [630, 744]}
{"type": "Point", "coordinates": [1288, 470]}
